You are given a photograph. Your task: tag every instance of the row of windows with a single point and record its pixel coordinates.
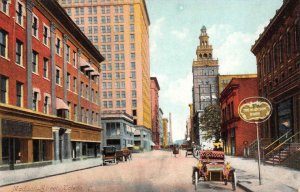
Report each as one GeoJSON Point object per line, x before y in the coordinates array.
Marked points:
{"type": "Point", "coordinates": [118, 94]}
{"type": "Point", "coordinates": [118, 104]}
{"type": "Point", "coordinates": [205, 72]}
{"type": "Point", "coordinates": [118, 85]}
{"type": "Point", "coordinates": [36, 98]}
{"type": "Point", "coordinates": [118, 66]}
{"type": "Point", "coordinates": [289, 43]}
{"type": "Point", "coordinates": [228, 112]}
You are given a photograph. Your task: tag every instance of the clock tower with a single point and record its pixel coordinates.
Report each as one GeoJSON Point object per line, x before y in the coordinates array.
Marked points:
{"type": "Point", "coordinates": [205, 80]}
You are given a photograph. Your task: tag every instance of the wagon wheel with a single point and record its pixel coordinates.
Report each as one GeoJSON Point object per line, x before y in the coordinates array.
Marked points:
{"type": "Point", "coordinates": [233, 182]}
{"type": "Point", "coordinates": [196, 179]}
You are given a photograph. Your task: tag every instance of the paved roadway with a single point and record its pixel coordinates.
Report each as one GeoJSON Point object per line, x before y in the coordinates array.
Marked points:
{"type": "Point", "coordinates": [156, 171]}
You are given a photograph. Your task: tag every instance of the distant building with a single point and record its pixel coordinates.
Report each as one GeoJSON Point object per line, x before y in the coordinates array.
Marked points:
{"type": "Point", "coordinates": [49, 82]}
{"type": "Point", "coordinates": [205, 82]}
{"type": "Point", "coordinates": [161, 130]}
{"type": "Point", "coordinates": [118, 129]}
{"type": "Point", "coordinates": [165, 127]}
{"type": "Point", "coordinates": [223, 80]}
{"type": "Point", "coordinates": [235, 131]}
{"type": "Point", "coordinates": [277, 52]}
{"type": "Point", "coordinates": [155, 110]}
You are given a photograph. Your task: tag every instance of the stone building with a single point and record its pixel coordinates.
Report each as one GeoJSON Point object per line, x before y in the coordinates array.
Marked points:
{"type": "Point", "coordinates": [49, 82]}
{"type": "Point", "coordinates": [166, 134]}
{"type": "Point", "coordinates": [205, 81]}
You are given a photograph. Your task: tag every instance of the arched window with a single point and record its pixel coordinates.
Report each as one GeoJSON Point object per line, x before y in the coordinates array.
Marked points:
{"type": "Point", "coordinates": [205, 55]}
{"type": "Point", "coordinates": [210, 56]}
{"type": "Point", "coordinates": [200, 55]}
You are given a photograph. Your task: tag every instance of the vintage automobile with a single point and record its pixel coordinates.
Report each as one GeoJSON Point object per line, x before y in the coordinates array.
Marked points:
{"type": "Point", "coordinates": [123, 154]}
{"type": "Point", "coordinates": [212, 167]}
{"type": "Point", "coordinates": [109, 154]}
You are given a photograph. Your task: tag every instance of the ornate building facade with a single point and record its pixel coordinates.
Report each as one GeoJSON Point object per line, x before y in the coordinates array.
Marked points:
{"type": "Point", "coordinates": [155, 110]}
{"type": "Point", "coordinates": [277, 52]}
{"type": "Point", "coordinates": [205, 81]}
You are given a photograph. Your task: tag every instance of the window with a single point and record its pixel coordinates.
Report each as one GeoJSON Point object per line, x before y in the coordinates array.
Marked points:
{"type": "Point", "coordinates": [19, 52]}
{"type": "Point", "coordinates": [74, 59]}
{"type": "Point", "coordinates": [81, 88]}
{"type": "Point", "coordinates": [19, 12]}
{"type": "Point", "coordinates": [131, 28]}
{"type": "Point", "coordinates": [134, 103]}
{"type": "Point", "coordinates": [4, 5]}
{"type": "Point", "coordinates": [132, 47]}
{"type": "Point", "coordinates": [133, 84]}
{"type": "Point", "coordinates": [57, 76]}
{"type": "Point", "coordinates": [57, 46]}
{"type": "Point", "coordinates": [87, 91]}
{"type": "Point", "coordinates": [46, 71]}
{"type": "Point", "coordinates": [35, 26]}
{"type": "Point", "coordinates": [92, 95]}
{"type": "Point", "coordinates": [46, 102]}
{"type": "Point", "coordinates": [133, 93]}
{"type": "Point", "coordinates": [87, 116]}
{"type": "Point", "coordinates": [3, 43]}
{"type": "Point", "coordinates": [68, 81]}
{"type": "Point", "coordinates": [34, 62]}
{"type": "Point", "coordinates": [68, 53]}
{"type": "Point", "coordinates": [35, 101]}
{"type": "Point", "coordinates": [75, 84]}
{"type": "Point", "coordinates": [75, 112]}
{"type": "Point", "coordinates": [131, 18]}
{"type": "Point", "coordinates": [132, 64]}
{"type": "Point", "coordinates": [45, 34]}
{"type": "Point", "coordinates": [132, 55]}
{"type": "Point", "coordinates": [19, 92]}
{"type": "Point", "coordinates": [288, 43]}
{"type": "Point", "coordinates": [3, 89]}
{"type": "Point", "coordinates": [131, 8]}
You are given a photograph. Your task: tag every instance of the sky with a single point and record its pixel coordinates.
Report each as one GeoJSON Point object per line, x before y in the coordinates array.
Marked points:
{"type": "Point", "coordinates": [232, 25]}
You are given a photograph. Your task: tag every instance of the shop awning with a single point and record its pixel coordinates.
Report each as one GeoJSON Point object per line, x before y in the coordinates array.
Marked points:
{"type": "Point", "coordinates": [84, 63]}
{"type": "Point", "coordinates": [95, 73]}
{"type": "Point", "coordinates": [137, 132]}
{"type": "Point", "coordinates": [60, 104]}
{"type": "Point", "coordinates": [90, 69]}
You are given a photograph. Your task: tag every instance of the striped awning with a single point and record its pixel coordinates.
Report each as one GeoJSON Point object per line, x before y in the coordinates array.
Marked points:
{"type": "Point", "coordinates": [83, 63]}
{"type": "Point", "coordinates": [60, 104]}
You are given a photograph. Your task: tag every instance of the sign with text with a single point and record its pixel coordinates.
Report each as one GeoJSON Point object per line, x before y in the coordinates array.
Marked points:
{"type": "Point", "coordinates": [255, 109]}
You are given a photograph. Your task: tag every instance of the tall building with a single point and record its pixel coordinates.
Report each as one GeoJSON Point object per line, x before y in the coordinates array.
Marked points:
{"type": "Point", "coordinates": [205, 81]}
{"type": "Point", "coordinates": [155, 110]}
{"type": "Point", "coordinates": [49, 82]}
{"type": "Point", "coordinates": [120, 30]}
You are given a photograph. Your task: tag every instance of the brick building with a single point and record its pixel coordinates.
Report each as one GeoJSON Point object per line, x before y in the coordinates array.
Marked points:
{"type": "Point", "coordinates": [49, 82]}
{"type": "Point", "coordinates": [155, 110]}
{"type": "Point", "coordinates": [277, 52]}
{"type": "Point", "coordinates": [234, 130]}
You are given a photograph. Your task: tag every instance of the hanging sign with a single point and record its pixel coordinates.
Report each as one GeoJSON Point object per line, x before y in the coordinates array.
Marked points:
{"type": "Point", "coordinates": [255, 109]}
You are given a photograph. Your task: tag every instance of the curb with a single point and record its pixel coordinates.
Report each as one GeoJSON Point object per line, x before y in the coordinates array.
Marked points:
{"type": "Point", "coordinates": [243, 187]}
{"type": "Point", "coordinates": [43, 177]}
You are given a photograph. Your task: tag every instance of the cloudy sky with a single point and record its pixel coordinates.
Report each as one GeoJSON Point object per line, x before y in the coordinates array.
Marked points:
{"type": "Point", "coordinates": [233, 26]}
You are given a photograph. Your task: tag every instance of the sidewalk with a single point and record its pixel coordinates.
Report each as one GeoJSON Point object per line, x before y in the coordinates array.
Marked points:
{"type": "Point", "coordinates": [22, 175]}
{"type": "Point", "coordinates": [274, 178]}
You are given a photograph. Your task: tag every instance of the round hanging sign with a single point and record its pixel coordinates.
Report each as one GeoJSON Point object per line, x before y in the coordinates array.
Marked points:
{"type": "Point", "coordinates": [255, 109]}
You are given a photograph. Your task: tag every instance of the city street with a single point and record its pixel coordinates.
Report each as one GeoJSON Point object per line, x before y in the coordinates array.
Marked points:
{"type": "Point", "coordinates": [150, 171]}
